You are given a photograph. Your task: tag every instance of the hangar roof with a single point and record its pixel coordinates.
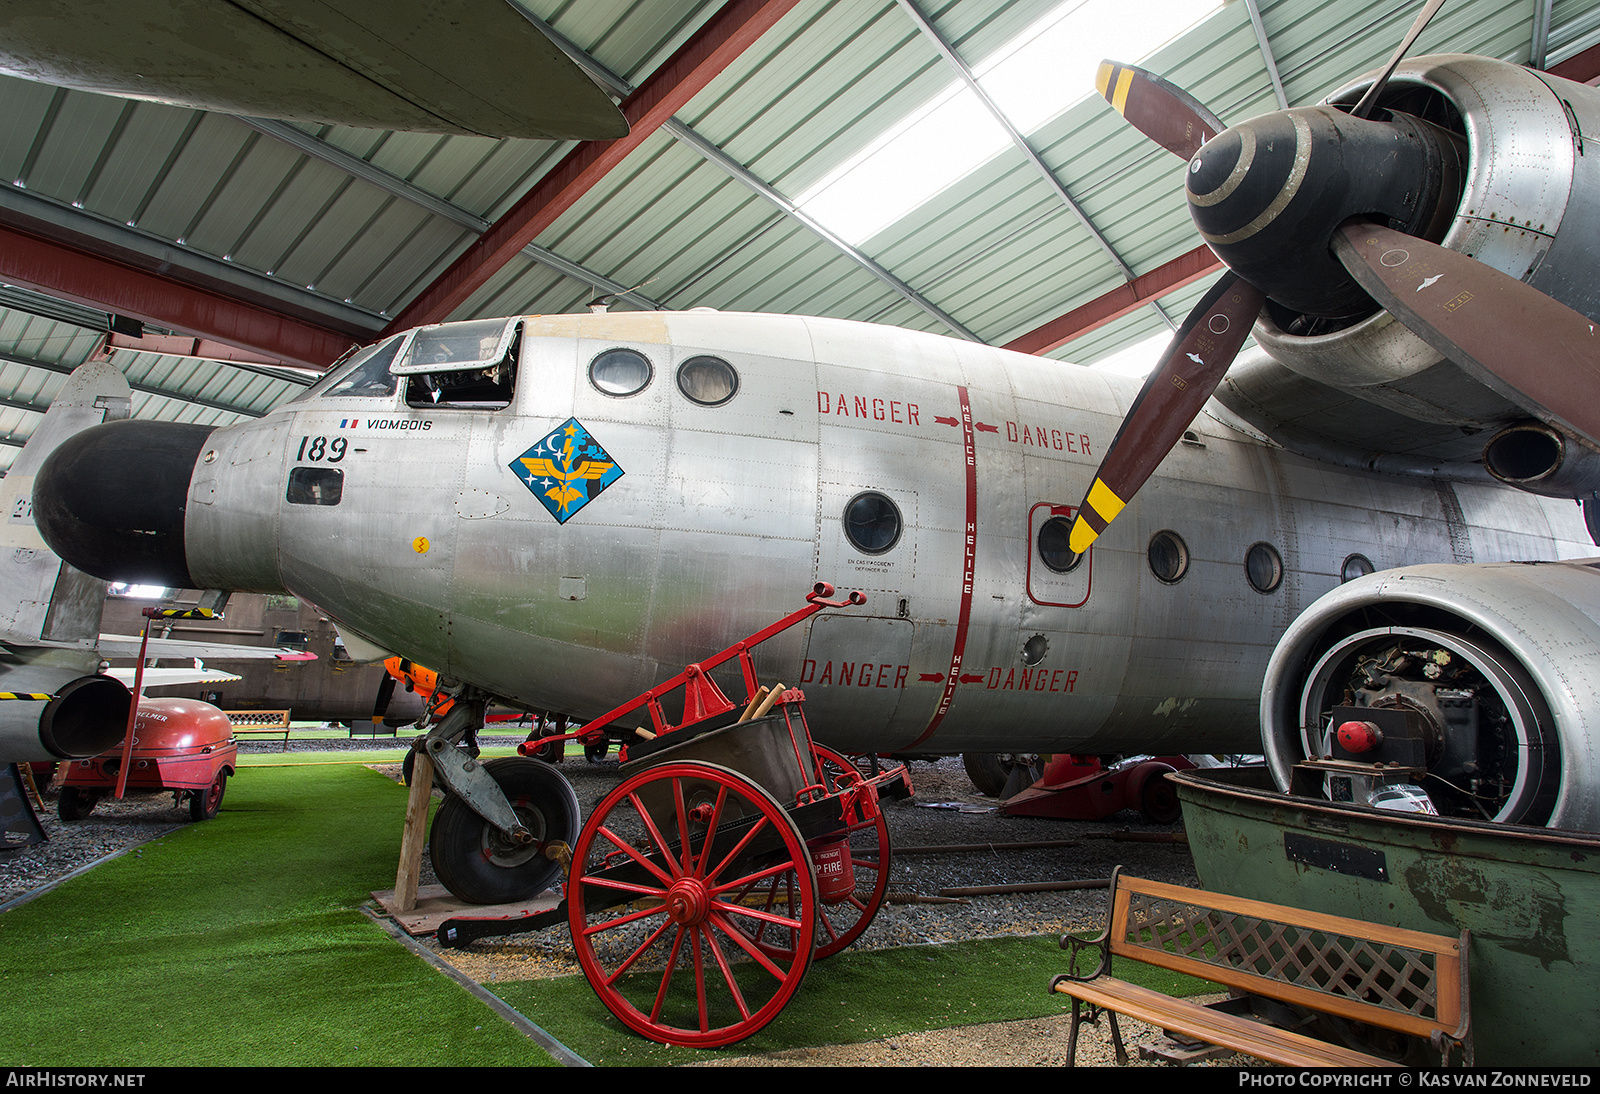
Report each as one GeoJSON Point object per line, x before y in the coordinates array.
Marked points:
{"type": "Point", "coordinates": [347, 230]}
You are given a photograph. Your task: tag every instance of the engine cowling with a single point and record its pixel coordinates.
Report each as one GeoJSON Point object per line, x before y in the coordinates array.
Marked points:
{"type": "Point", "coordinates": [76, 715]}
{"type": "Point", "coordinates": [1527, 207]}
{"type": "Point", "coordinates": [1496, 667]}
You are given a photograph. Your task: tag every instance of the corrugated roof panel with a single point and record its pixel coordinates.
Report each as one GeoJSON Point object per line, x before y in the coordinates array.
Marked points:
{"type": "Point", "coordinates": [293, 209]}
{"type": "Point", "coordinates": [45, 340]}
{"type": "Point", "coordinates": [195, 172]}
{"type": "Point", "coordinates": [220, 223]}
{"type": "Point", "coordinates": [1133, 327]}
{"type": "Point", "coordinates": [630, 39]}
{"type": "Point", "coordinates": [151, 134]}
{"type": "Point", "coordinates": [70, 144]}
{"type": "Point", "coordinates": [26, 104]}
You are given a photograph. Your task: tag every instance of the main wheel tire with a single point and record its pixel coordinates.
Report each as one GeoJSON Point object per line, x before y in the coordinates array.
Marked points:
{"type": "Point", "coordinates": [652, 903]}
{"type": "Point", "coordinates": [474, 859]}
{"type": "Point", "coordinates": [203, 804]}
{"type": "Point", "coordinates": [989, 771]}
{"type": "Point", "coordinates": [75, 803]}
{"type": "Point", "coordinates": [1158, 798]}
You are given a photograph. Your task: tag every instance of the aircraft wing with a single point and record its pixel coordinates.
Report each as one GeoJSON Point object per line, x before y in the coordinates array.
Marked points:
{"type": "Point", "coordinates": [163, 678]}
{"type": "Point", "coordinates": [126, 645]}
{"type": "Point", "coordinates": [432, 66]}
{"type": "Point", "coordinates": [1329, 423]}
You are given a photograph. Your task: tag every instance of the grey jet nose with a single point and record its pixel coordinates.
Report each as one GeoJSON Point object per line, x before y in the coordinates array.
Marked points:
{"type": "Point", "coordinates": [111, 500]}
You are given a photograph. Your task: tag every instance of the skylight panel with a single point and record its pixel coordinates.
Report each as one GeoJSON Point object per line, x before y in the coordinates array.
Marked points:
{"type": "Point", "coordinates": [1034, 77]}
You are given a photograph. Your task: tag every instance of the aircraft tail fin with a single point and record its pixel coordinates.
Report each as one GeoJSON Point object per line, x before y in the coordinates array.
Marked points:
{"type": "Point", "coordinates": [41, 597]}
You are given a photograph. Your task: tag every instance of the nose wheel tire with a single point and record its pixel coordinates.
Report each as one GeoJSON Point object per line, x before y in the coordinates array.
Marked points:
{"type": "Point", "coordinates": [479, 863]}
{"type": "Point", "coordinates": [655, 910]}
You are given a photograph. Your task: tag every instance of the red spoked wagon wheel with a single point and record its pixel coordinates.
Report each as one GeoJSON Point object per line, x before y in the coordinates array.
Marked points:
{"type": "Point", "coordinates": [840, 921]}
{"type": "Point", "coordinates": [652, 902]}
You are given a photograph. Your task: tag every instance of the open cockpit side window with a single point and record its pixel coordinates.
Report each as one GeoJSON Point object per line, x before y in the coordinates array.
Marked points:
{"type": "Point", "coordinates": [472, 364]}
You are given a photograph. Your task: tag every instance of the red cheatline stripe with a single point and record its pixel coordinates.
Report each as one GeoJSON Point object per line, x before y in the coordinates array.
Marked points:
{"type": "Point", "coordinates": [968, 567]}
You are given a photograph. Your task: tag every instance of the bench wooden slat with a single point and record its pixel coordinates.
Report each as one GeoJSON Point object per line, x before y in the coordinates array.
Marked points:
{"type": "Point", "coordinates": [1278, 1046]}
{"type": "Point", "coordinates": [1443, 979]}
{"type": "Point", "coordinates": [260, 723]}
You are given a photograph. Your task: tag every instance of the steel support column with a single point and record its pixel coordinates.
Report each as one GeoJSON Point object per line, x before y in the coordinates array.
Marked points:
{"type": "Point", "coordinates": [1183, 270]}
{"type": "Point", "coordinates": [50, 266]}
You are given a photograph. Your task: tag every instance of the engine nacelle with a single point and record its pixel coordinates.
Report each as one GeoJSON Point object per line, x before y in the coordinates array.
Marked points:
{"type": "Point", "coordinates": [1493, 669]}
{"type": "Point", "coordinates": [83, 715]}
{"type": "Point", "coordinates": [1527, 208]}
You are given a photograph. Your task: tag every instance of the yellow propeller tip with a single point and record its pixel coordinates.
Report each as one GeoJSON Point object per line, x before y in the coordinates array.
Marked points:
{"type": "Point", "coordinates": [1102, 78]}
{"type": "Point", "coordinates": [1083, 536]}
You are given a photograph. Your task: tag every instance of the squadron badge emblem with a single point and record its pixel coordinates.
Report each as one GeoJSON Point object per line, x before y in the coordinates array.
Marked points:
{"type": "Point", "coordinates": [566, 470]}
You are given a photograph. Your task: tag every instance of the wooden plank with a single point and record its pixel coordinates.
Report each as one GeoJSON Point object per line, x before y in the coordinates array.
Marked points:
{"type": "Point", "coordinates": [414, 834]}
{"type": "Point", "coordinates": [1317, 921]}
{"type": "Point", "coordinates": [1446, 976]}
{"type": "Point", "coordinates": [1257, 1039]}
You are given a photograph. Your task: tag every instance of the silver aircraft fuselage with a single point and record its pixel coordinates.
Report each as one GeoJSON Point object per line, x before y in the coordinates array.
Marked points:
{"type": "Point", "coordinates": [576, 547]}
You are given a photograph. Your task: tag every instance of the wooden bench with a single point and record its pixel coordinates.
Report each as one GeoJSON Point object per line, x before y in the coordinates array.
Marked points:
{"type": "Point", "coordinates": [260, 723]}
{"type": "Point", "coordinates": [1400, 980]}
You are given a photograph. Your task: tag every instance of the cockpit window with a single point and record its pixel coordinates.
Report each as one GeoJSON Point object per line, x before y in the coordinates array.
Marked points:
{"type": "Point", "coordinates": [471, 364]}
{"type": "Point", "coordinates": [364, 373]}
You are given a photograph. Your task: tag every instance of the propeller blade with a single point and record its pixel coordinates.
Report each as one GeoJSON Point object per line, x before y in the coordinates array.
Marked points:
{"type": "Point", "coordinates": [1162, 111]}
{"type": "Point", "coordinates": [1173, 394]}
{"type": "Point", "coordinates": [1370, 99]}
{"type": "Point", "coordinates": [1530, 349]}
{"type": "Point", "coordinates": [380, 704]}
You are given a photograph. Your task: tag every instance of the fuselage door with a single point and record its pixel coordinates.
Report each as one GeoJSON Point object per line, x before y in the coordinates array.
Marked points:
{"type": "Point", "coordinates": [1057, 578]}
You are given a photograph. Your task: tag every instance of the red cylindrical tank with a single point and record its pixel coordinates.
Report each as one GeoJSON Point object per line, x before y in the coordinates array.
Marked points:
{"type": "Point", "coordinates": [178, 744]}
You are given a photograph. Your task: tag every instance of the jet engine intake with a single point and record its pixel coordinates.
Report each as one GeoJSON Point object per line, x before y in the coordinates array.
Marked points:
{"type": "Point", "coordinates": [84, 717]}
{"type": "Point", "coordinates": [1500, 713]}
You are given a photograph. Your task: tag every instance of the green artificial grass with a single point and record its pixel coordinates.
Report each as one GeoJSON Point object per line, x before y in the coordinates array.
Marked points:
{"type": "Point", "coordinates": [851, 997]}
{"type": "Point", "coordinates": [239, 941]}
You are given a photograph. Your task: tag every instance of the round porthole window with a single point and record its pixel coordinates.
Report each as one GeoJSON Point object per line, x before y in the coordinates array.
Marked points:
{"type": "Point", "coordinates": [1169, 557]}
{"type": "Point", "coordinates": [709, 381]}
{"type": "Point", "coordinates": [1356, 566]}
{"type": "Point", "coordinates": [871, 523]}
{"type": "Point", "coordinates": [620, 372]}
{"type": "Point", "coordinates": [1055, 545]}
{"type": "Point", "coordinates": [1263, 566]}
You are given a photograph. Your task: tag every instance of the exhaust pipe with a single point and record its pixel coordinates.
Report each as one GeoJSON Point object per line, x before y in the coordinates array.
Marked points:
{"type": "Point", "coordinates": [1534, 457]}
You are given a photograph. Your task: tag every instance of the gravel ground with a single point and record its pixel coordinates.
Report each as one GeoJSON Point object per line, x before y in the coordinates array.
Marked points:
{"type": "Point", "coordinates": [945, 811]}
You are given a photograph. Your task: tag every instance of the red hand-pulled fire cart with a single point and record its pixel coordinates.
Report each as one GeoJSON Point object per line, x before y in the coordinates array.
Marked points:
{"type": "Point", "coordinates": [729, 857]}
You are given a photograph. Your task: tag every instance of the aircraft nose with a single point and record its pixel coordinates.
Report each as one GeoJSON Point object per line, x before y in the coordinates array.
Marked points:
{"type": "Point", "coordinates": [111, 500]}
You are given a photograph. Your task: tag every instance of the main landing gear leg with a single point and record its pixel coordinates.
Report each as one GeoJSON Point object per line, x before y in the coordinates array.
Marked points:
{"type": "Point", "coordinates": [491, 836]}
